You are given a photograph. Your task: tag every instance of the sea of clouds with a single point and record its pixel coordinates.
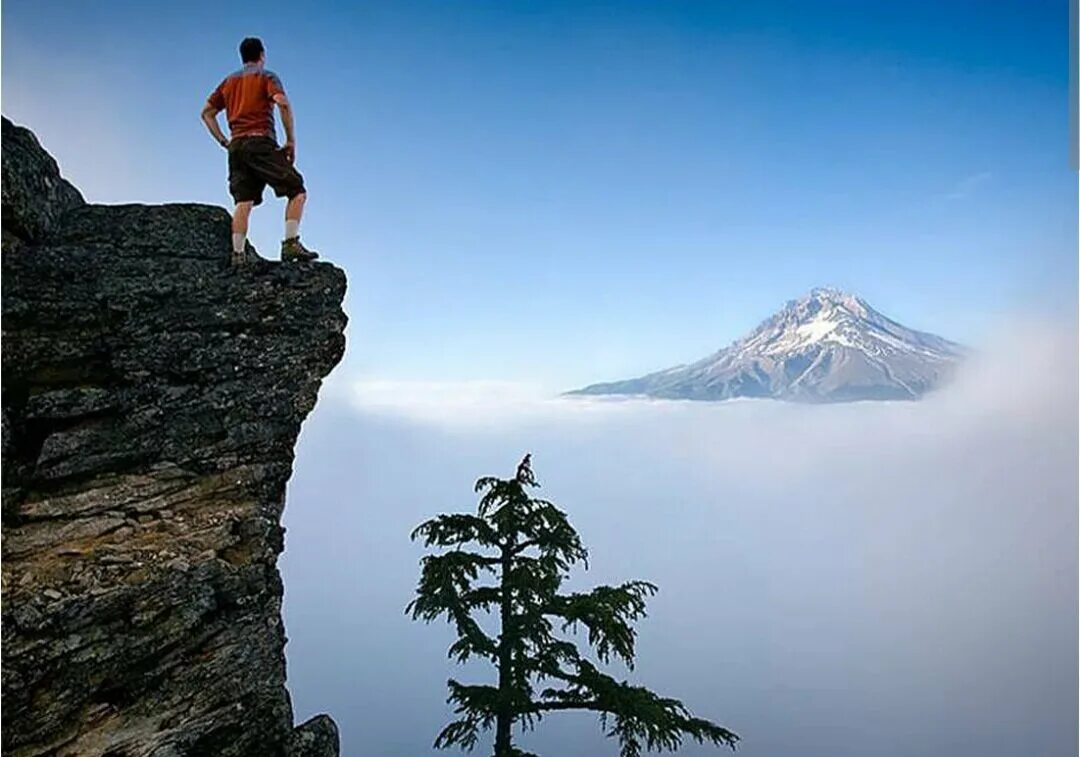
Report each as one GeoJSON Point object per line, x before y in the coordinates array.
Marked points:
{"type": "Point", "coordinates": [858, 579]}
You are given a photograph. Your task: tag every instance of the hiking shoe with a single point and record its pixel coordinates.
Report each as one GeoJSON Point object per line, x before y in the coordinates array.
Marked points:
{"type": "Point", "coordinates": [245, 258]}
{"type": "Point", "coordinates": [291, 249]}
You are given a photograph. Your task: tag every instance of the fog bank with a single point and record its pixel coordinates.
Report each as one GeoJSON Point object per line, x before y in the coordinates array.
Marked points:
{"type": "Point", "coordinates": [862, 579]}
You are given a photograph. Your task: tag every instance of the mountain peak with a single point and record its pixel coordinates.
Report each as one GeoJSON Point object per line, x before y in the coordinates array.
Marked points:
{"type": "Point", "coordinates": [829, 345]}
{"type": "Point", "coordinates": [830, 294]}
{"type": "Point", "coordinates": [827, 299]}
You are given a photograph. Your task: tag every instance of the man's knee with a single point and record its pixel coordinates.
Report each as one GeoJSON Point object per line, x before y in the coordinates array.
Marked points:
{"type": "Point", "coordinates": [294, 208]}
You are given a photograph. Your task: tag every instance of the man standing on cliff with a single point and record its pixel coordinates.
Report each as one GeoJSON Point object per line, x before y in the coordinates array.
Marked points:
{"type": "Point", "coordinates": [248, 97]}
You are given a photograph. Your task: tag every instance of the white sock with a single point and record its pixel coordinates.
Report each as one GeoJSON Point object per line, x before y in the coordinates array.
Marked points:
{"type": "Point", "coordinates": [292, 228]}
{"type": "Point", "coordinates": [238, 242]}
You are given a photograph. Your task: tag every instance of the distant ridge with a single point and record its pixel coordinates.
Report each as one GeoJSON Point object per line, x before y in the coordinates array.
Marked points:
{"type": "Point", "coordinates": [829, 346]}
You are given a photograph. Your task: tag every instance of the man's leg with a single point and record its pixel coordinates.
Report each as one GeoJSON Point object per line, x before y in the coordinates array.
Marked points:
{"type": "Point", "coordinates": [294, 211]}
{"type": "Point", "coordinates": [291, 249]}
{"type": "Point", "coordinates": [240, 228]}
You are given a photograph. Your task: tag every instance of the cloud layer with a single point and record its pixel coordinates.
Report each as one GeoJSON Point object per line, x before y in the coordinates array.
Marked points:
{"type": "Point", "coordinates": [865, 579]}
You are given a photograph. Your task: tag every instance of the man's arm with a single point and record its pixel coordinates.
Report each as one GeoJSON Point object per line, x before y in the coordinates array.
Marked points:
{"type": "Point", "coordinates": [287, 120]}
{"type": "Point", "coordinates": [209, 117]}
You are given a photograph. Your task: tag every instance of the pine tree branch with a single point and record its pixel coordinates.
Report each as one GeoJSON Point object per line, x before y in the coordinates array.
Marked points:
{"type": "Point", "coordinates": [641, 716]}
{"type": "Point", "coordinates": [521, 547]}
{"type": "Point", "coordinates": [554, 706]}
{"type": "Point", "coordinates": [607, 612]}
{"type": "Point", "coordinates": [454, 530]}
{"type": "Point", "coordinates": [446, 588]}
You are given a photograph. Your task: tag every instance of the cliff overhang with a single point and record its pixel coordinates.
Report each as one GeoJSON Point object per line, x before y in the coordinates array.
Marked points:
{"type": "Point", "coordinates": [152, 397]}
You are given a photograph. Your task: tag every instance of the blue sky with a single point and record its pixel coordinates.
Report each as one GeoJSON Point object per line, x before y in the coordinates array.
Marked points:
{"type": "Point", "coordinates": [570, 192]}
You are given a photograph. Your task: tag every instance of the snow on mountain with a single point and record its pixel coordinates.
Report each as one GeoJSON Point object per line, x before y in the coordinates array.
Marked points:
{"type": "Point", "coordinates": [829, 346]}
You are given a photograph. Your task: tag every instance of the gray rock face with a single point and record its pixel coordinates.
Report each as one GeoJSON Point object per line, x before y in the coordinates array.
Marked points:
{"type": "Point", "coordinates": [826, 347]}
{"type": "Point", "coordinates": [152, 398]}
{"type": "Point", "coordinates": [34, 194]}
{"type": "Point", "coordinates": [315, 738]}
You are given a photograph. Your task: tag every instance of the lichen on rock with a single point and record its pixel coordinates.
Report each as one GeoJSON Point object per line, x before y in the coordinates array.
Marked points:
{"type": "Point", "coordinates": [152, 398]}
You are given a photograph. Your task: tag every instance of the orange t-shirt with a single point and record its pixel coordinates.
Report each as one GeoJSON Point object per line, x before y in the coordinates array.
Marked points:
{"type": "Point", "coordinates": [247, 97]}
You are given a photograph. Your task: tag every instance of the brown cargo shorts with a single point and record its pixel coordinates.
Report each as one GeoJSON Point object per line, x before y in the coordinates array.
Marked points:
{"type": "Point", "coordinates": [255, 162]}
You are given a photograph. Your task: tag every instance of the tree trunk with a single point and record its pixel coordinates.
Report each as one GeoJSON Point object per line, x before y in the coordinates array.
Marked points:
{"type": "Point", "coordinates": [502, 735]}
{"type": "Point", "coordinates": [504, 719]}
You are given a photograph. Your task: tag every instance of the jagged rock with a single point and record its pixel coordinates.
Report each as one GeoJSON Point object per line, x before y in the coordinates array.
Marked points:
{"type": "Point", "coordinates": [315, 738]}
{"type": "Point", "coordinates": [35, 196]}
{"type": "Point", "coordinates": [152, 397]}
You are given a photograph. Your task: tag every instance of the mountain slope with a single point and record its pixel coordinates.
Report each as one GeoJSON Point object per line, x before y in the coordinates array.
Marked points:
{"type": "Point", "coordinates": [829, 346]}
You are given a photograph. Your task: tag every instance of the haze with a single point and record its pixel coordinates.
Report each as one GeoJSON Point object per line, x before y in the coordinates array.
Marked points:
{"type": "Point", "coordinates": [861, 579]}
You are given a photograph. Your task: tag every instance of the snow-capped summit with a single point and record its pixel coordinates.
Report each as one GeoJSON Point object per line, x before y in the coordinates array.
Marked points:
{"type": "Point", "coordinates": [829, 346]}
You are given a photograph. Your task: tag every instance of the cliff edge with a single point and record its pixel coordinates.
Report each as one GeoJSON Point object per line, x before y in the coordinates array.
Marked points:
{"type": "Point", "coordinates": [151, 399]}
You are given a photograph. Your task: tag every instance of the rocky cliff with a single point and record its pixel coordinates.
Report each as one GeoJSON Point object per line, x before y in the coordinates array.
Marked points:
{"type": "Point", "coordinates": [152, 399]}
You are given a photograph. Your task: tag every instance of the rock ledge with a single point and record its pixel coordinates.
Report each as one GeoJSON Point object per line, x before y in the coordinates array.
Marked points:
{"type": "Point", "coordinates": [152, 398]}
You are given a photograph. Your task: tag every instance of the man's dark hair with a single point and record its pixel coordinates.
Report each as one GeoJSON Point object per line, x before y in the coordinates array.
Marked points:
{"type": "Point", "coordinates": [250, 49]}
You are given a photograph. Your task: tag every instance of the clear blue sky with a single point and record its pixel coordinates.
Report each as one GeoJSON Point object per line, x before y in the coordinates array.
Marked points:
{"type": "Point", "coordinates": [569, 192]}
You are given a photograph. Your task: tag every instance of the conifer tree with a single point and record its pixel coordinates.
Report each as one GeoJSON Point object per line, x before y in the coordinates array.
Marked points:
{"type": "Point", "coordinates": [526, 547]}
